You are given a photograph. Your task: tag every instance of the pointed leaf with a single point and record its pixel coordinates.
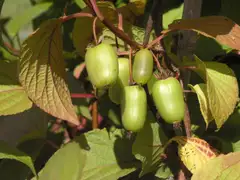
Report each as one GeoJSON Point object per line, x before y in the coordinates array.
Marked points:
{"type": "Point", "coordinates": [221, 167]}
{"type": "Point", "coordinates": [172, 15]}
{"type": "Point", "coordinates": [15, 24]}
{"type": "Point", "coordinates": [222, 89]}
{"type": "Point", "coordinates": [144, 147]}
{"type": "Point", "coordinates": [201, 91]}
{"type": "Point", "coordinates": [194, 152]}
{"type": "Point", "coordinates": [13, 98]}
{"type": "Point", "coordinates": [8, 152]}
{"type": "Point", "coordinates": [220, 28]}
{"type": "Point", "coordinates": [42, 71]}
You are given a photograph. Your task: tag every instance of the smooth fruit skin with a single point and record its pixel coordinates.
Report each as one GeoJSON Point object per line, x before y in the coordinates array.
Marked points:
{"type": "Point", "coordinates": [168, 98]}
{"type": "Point", "coordinates": [102, 65]}
{"type": "Point", "coordinates": [115, 91]}
{"type": "Point", "coordinates": [142, 66]}
{"type": "Point", "coordinates": [134, 108]}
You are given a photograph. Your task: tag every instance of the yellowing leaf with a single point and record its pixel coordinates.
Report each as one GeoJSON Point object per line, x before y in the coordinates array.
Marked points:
{"type": "Point", "coordinates": [222, 89]}
{"type": "Point", "coordinates": [42, 71]}
{"type": "Point", "coordinates": [201, 91]}
{"type": "Point", "coordinates": [220, 28]}
{"type": "Point", "coordinates": [137, 6]}
{"type": "Point", "coordinates": [223, 167]}
{"type": "Point", "coordinates": [83, 32]}
{"type": "Point", "coordinates": [13, 98]}
{"type": "Point", "coordinates": [194, 152]}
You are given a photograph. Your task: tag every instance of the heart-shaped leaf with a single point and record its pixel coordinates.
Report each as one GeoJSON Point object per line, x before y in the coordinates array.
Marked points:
{"type": "Point", "coordinates": [42, 71]}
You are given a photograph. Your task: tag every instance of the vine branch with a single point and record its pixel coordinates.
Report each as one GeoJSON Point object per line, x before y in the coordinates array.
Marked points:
{"type": "Point", "coordinates": [119, 33]}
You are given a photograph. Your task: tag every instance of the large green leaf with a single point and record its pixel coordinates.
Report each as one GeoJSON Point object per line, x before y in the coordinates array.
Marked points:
{"type": "Point", "coordinates": [148, 145]}
{"type": "Point", "coordinates": [66, 163]}
{"type": "Point", "coordinates": [15, 24]}
{"type": "Point", "coordinates": [80, 3]}
{"type": "Point", "coordinates": [221, 167]}
{"type": "Point", "coordinates": [93, 155]}
{"type": "Point", "coordinates": [222, 87]}
{"type": "Point", "coordinates": [13, 98]}
{"type": "Point", "coordinates": [201, 91]}
{"type": "Point", "coordinates": [8, 152]}
{"type": "Point", "coordinates": [42, 71]}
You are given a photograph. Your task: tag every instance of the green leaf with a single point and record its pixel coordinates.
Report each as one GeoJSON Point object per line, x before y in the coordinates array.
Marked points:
{"type": "Point", "coordinates": [42, 71]}
{"type": "Point", "coordinates": [83, 32]}
{"type": "Point", "coordinates": [1, 5]}
{"type": "Point", "coordinates": [15, 24]}
{"type": "Point", "coordinates": [93, 155]}
{"type": "Point", "coordinates": [222, 89]}
{"type": "Point", "coordinates": [13, 98]}
{"type": "Point", "coordinates": [201, 91]}
{"type": "Point", "coordinates": [66, 163]}
{"type": "Point", "coordinates": [172, 15]}
{"type": "Point", "coordinates": [148, 145]}
{"type": "Point", "coordinates": [221, 167]}
{"type": "Point", "coordinates": [8, 152]}
{"type": "Point", "coordinates": [80, 3]}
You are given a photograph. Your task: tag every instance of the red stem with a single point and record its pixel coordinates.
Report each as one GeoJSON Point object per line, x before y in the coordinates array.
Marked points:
{"type": "Point", "coordinates": [119, 33]}
{"type": "Point", "coordinates": [159, 38]}
{"type": "Point", "coordinates": [95, 115]}
{"type": "Point", "coordinates": [76, 15]}
{"type": "Point", "coordinates": [73, 95]}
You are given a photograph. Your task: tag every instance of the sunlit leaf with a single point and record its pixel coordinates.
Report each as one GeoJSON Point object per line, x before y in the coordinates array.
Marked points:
{"type": "Point", "coordinates": [15, 24]}
{"type": "Point", "coordinates": [8, 152]}
{"type": "Point", "coordinates": [66, 163]}
{"type": "Point", "coordinates": [1, 5]}
{"type": "Point", "coordinates": [201, 91]}
{"type": "Point", "coordinates": [222, 89]}
{"type": "Point", "coordinates": [13, 98]}
{"type": "Point", "coordinates": [83, 27]}
{"type": "Point", "coordinates": [221, 167]}
{"type": "Point", "coordinates": [172, 15]}
{"type": "Point", "coordinates": [144, 147]}
{"type": "Point", "coordinates": [42, 71]}
{"type": "Point", "coordinates": [220, 28]}
{"type": "Point", "coordinates": [194, 152]}
{"type": "Point", "coordinates": [93, 155]}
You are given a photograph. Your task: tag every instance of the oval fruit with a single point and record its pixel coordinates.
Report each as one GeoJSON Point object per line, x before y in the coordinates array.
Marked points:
{"type": "Point", "coordinates": [142, 66]}
{"type": "Point", "coordinates": [102, 65]}
{"type": "Point", "coordinates": [133, 108]}
{"type": "Point", "coordinates": [168, 98]}
{"type": "Point", "coordinates": [115, 91]}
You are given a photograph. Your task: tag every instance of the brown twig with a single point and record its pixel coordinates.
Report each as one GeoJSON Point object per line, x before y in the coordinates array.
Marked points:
{"type": "Point", "coordinates": [123, 53]}
{"type": "Point", "coordinates": [95, 114]}
{"type": "Point", "coordinates": [94, 30]}
{"type": "Point", "coordinates": [75, 95]}
{"type": "Point", "coordinates": [11, 49]}
{"type": "Point", "coordinates": [157, 62]}
{"type": "Point", "coordinates": [120, 21]}
{"type": "Point", "coordinates": [119, 33]}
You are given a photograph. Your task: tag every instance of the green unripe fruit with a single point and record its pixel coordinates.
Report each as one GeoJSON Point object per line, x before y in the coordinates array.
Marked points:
{"type": "Point", "coordinates": [133, 108]}
{"type": "Point", "coordinates": [142, 66]}
{"type": "Point", "coordinates": [102, 65]}
{"type": "Point", "coordinates": [115, 91]}
{"type": "Point", "coordinates": [168, 98]}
